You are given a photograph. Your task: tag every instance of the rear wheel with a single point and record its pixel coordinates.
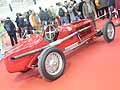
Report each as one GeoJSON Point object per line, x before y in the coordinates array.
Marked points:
{"type": "Point", "coordinates": [51, 63]}
{"type": "Point", "coordinates": [109, 31]}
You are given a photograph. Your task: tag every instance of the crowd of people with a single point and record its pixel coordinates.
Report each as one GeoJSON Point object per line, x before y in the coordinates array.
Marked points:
{"type": "Point", "coordinates": [68, 12]}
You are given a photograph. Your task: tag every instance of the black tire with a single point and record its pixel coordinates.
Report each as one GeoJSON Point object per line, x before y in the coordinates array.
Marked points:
{"type": "Point", "coordinates": [106, 28]}
{"type": "Point", "coordinates": [42, 66]}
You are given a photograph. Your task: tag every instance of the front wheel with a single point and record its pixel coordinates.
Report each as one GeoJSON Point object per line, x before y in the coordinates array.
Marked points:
{"type": "Point", "coordinates": [109, 31]}
{"type": "Point", "coordinates": [51, 63]}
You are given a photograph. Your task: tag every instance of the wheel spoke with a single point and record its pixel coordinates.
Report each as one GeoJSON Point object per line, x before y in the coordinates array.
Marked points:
{"type": "Point", "coordinates": [53, 63]}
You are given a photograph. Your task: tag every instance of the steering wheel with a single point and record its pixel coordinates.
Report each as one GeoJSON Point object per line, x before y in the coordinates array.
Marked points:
{"type": "Point", "coordinates": [50, 33]}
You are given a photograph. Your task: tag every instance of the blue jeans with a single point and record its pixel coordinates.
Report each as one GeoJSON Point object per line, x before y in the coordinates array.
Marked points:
{"type": "Point", "coordinates": [64, 20]}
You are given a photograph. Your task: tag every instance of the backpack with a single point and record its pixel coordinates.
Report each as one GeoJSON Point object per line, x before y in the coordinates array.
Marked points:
{"type": "Point", "coordinates": [61, 12]}
{"type": "Point", "coordinates": [42, 15]}
{"type": "Point", "coordinates": [7, 27]}
{"type": "Point", "coordinates": [21, 22]}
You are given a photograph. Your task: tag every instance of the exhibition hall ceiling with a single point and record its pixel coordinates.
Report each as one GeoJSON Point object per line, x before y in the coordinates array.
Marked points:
{"type": "Point", "coordinates": [23, 6]}
{"type": "Point", "coordinates": [5, 2]}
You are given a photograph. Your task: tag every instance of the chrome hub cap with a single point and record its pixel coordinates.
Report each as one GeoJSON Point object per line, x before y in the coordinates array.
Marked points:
{"type": "Point", "coordinates": [110, 31]}
{"type": "Point", "coordinates": [53, 63]}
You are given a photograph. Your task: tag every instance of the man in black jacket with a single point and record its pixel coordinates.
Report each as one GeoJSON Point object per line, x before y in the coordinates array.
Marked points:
{"type": "Point", "coordinates": [80, 9]}
{"type": "Point", "coordinates": [11, 30]}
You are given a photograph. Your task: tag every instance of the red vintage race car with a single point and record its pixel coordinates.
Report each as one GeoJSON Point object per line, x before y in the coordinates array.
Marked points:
{"type": "Point", "coordinates": [47, 52]}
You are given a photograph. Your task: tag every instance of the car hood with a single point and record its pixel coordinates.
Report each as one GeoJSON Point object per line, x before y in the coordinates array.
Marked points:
{"type": "Point", "coordinates": [34, 42]}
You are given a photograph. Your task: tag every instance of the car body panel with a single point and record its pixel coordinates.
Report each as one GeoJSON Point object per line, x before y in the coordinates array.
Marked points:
{"type": "Point", "coordinates": [37, 41]}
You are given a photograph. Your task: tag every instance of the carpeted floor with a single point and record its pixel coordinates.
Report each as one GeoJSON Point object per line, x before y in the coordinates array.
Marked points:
{"type": "Point", "coordinates": [92, 67]}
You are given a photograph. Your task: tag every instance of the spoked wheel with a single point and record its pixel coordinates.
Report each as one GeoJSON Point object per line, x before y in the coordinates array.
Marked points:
{"type": "Point", "coordinates": [50, 33]}
{"type": "Point", "coordinates": [51, 63]}
{"type": "Point", "coordinates": [109, 31]}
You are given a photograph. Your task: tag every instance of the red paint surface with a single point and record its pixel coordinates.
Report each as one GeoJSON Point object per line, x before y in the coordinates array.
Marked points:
{"type": "Point", "coordinates": [92, 67]}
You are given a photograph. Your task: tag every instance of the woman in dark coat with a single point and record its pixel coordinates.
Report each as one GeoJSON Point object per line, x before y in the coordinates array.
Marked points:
{"type": "Point", "coordinates": [11, 30]}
